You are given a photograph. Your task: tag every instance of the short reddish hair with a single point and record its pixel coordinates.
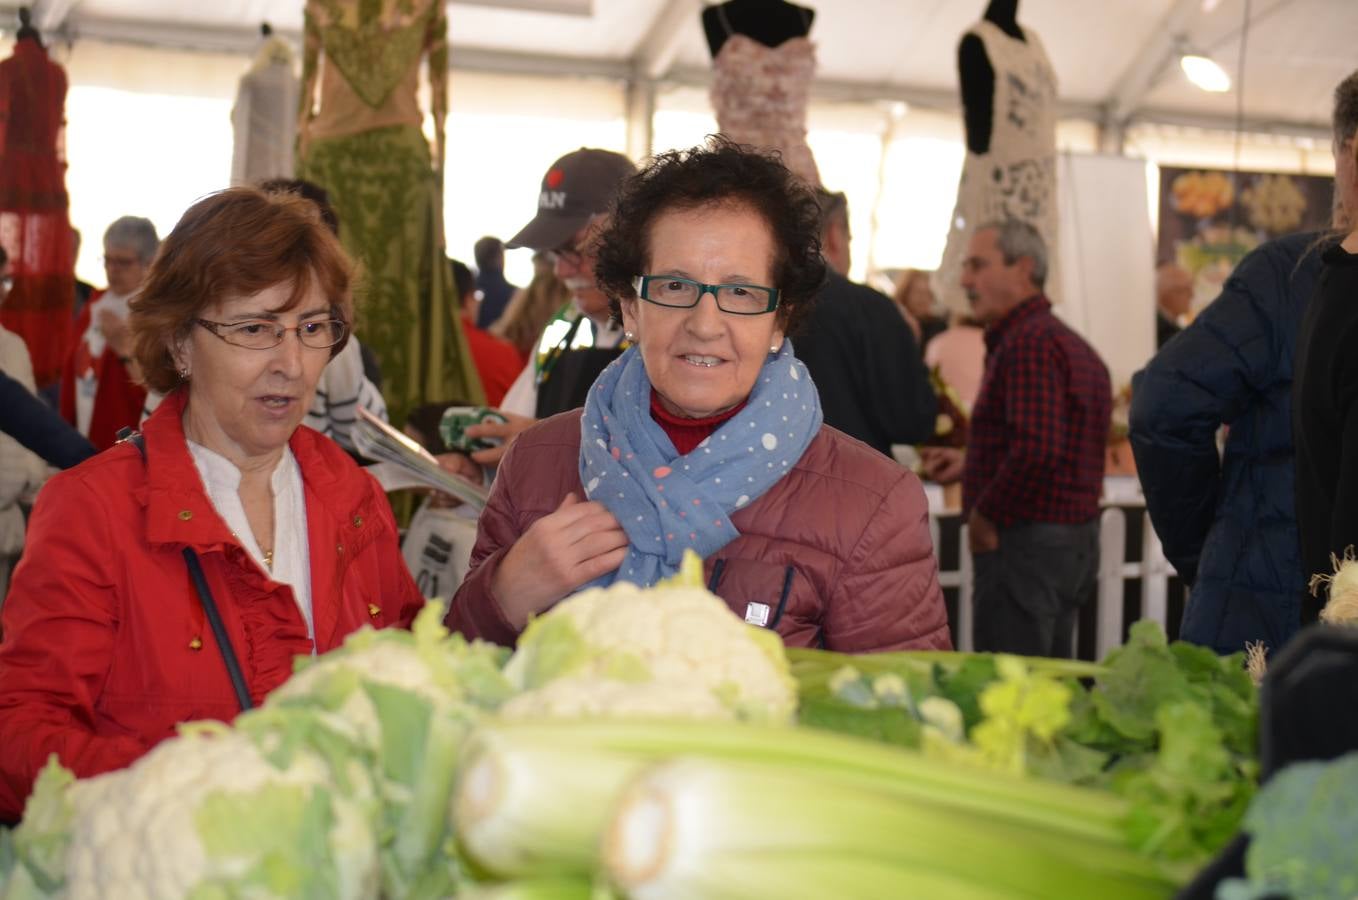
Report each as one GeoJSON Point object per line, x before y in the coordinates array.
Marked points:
{"type": "Point", "coordinates": [234, 243]}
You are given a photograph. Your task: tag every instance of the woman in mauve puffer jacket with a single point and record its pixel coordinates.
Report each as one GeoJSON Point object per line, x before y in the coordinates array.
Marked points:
{"type": "Point", "coordinates": [844, 537]}
{"type": "Point", "coordinates": [706, 436]}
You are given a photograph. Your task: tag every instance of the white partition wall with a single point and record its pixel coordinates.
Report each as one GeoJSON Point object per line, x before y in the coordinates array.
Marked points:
{"type": "Point", "coordinates": [1108, 259]}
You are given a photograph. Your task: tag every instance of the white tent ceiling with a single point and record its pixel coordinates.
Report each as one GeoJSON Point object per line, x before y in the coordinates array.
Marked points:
{"type": "Point", "coordinates": [1113, 57]}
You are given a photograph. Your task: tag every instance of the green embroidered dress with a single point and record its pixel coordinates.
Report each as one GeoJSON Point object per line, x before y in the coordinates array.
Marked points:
{"type": "Point", "coordinates": [360, 138]}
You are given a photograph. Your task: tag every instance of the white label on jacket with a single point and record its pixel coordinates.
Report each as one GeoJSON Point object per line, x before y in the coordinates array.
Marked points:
{"type": "Point", "coordinates": [757, 614]}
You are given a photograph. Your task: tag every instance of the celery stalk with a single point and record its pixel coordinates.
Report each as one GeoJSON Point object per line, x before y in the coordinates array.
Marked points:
{"type": "Point", "coordinates": [535, 797]}
{"type": "Point", "coordinates": [1065, 809]}
{"type": "Point", "coordinates": [730, 830]}
{"type": "Point", "coordinates": [525, 808]}
{"type": "Point", "coordinates": [531, 889]}
{"type": "Point", "coordinates": [808, 660]}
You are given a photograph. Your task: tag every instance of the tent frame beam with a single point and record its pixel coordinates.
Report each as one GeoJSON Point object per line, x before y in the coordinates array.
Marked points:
{"type": "Point", "coordinates": [245, 41]}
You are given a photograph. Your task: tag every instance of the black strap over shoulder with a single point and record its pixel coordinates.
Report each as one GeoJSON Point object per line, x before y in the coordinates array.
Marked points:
{"type": "Point", "coordinates": [135, 438]}
{"type": "Point", "coordinates": [214, 618]}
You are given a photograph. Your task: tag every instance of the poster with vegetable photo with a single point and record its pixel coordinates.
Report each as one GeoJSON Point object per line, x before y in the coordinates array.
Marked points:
{"type": "Point", "coordinates": [1209, 220]}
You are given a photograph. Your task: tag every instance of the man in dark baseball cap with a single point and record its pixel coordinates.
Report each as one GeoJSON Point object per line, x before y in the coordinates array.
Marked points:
{"type": "Point", "coordinates": [578, 186]}
{"type": "Point", "coordinates": [573, 205]}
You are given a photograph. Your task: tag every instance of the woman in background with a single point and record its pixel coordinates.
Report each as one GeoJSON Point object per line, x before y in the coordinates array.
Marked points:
{"type": "Point", "coordinates": [916, 300]}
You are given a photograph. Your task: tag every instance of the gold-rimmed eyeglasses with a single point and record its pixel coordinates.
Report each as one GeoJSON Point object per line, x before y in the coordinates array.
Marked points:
{"type": "Point", "coordinates": [262, 334]}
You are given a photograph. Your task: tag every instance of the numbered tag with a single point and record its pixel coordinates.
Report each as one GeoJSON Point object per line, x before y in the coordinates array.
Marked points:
{"type": "Point", "coordinates": [757, 614]}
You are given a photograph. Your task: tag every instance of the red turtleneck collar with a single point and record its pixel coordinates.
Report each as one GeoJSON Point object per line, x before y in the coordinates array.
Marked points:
{"type": "Point", "coordinates": [686, 434]}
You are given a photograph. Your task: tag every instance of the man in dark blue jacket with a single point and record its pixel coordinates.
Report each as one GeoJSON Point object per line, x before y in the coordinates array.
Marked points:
{"type": "Point", "coordinates": [1227, 521]}
{"type": "Point", "coordinates": [38, 427]}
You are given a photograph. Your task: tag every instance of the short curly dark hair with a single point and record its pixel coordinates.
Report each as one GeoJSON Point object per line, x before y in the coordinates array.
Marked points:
{"type": "Point", "coordinates": [719, 172]}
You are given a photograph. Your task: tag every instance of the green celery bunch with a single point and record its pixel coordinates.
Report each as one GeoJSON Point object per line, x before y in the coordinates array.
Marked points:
{"type": "Point", "coordinates": [727, 810]}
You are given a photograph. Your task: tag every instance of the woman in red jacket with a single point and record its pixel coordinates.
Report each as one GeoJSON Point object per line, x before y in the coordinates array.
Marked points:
{"type": "Point", "coordinates": [707, 435]}
{"type": "Point", "coordinates": [227, 505]}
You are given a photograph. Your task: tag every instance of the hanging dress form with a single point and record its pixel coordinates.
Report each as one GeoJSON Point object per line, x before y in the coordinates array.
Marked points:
{"type": "Point", "coordinates": [264, 118]}
{"type": "Point", "coordinates": [35, 224]}
{"type": "Point", "coordinates": [1016, 177]}
{"type": "Point", "coordinates": [360, 138]}
{"type": "Point", "coordinates": [760, 95]}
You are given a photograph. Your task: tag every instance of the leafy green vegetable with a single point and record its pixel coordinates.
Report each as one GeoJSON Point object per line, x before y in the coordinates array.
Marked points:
{"type": "Point", "coordinates": [33, 857]}
{"type": "Point", "coordinates": [1142, 676]}
{"type": "Point", "coordinates": [1020, 709]}
{"type": "Point", "coordinates": [272, 827]}
{"type": "Point", "coordinates": [1190, 799]}
{"type": "Point", "coordinates": [1304, 827]}
{"type": "Point", "coordinates": [404, 701]}
{"type": "Point", "coordinates": [888, 725]}
{"type": "Point", "coordinates": [1171, 727]}
{"type": "Point", "coordinates": [1225, 683]}
{"type": "Point", "coordinates": [964, 684]}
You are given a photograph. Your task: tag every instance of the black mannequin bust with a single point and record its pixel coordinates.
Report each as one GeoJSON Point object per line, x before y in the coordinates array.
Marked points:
{"type": "Point", "coordinates": [768, 21]}
{"type": "Point", "coordinates": [977, 75]}
{"type": "Point", "coordinates": [26, 30]}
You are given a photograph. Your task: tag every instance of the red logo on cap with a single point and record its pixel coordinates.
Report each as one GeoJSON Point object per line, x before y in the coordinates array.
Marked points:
{"type": "Point", "coordinates": [554, 178]}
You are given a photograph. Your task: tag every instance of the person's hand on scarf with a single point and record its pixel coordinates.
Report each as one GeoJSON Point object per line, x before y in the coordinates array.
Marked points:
{"type": "Point", "coordinates": [557, 554]}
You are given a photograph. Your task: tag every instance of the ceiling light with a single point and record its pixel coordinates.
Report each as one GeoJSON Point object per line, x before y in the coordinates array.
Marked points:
{"type": "Point", "coordinates": [1204, 72]}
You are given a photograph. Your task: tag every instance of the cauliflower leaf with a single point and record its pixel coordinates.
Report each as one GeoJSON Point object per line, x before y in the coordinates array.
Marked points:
{"type": "Point", "coordinates": [408, 700]}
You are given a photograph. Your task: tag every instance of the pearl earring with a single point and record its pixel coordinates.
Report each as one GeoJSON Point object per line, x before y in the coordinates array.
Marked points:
{"type": "Point", "coordinates": [629, 336]}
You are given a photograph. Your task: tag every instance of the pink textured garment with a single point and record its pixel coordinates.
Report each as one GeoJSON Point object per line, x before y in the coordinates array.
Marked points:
{"type": "Point", "coordinates": [760, 95]}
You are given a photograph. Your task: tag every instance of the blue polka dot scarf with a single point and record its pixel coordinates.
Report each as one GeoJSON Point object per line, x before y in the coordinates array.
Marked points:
{"type": "Point", "coordinates": [669, 503]}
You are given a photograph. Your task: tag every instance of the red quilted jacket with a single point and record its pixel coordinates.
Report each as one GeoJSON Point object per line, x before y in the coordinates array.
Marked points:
{"type": "Point", "coordinates": [841, 545]}
{"type": "Point", "coordinates": [106, 647]}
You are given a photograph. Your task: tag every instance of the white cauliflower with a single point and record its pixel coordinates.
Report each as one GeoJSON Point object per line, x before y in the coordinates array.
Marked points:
{"type": "Point", "coordinates": [671, 650]}
{"type": "Point", "coordinates": [591, 695]}
{"type": "Point", "coordinates": [355, 753]}
{"type": "Point", "coordinates": [448, 672]}
{"type": "Point", "coordinates": [408, 699]}
{"type": "Point", "coordinates": [209, 813]}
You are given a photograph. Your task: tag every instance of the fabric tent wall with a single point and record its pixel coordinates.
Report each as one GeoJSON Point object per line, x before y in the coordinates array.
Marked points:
{"type": "Point", "coordinates": [1108, 259]}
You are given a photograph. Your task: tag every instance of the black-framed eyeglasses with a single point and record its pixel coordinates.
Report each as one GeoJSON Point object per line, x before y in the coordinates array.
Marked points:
{"type": "Point", "coordinates": [681, 293]}
{"type": "Point", "coordinates": [261, 334]}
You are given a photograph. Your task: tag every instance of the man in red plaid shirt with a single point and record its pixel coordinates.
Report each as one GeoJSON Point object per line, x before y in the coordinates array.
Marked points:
{"type": "Point", "coordinates": [1032, 473]}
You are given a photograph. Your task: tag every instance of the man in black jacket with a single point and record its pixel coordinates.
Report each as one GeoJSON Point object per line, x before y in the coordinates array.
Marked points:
{"type": "Point", "coordinates": [861, 353]}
